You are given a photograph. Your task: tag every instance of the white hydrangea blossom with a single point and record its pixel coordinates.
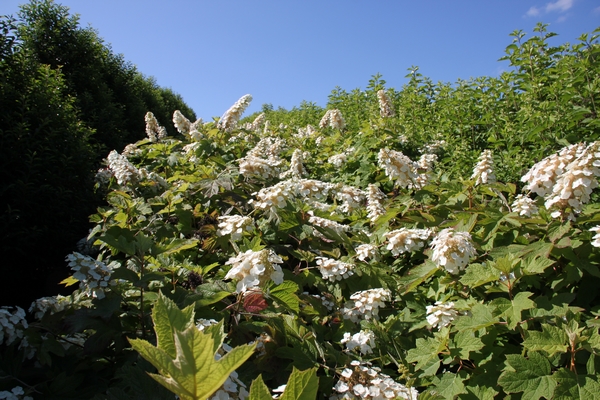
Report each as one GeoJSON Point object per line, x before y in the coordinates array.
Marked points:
{"type": "Point", "coordinates": [202, 323]}
{"type": "Point", "coordinates": [352, 198]}
{"type": "Point", "coordinates": [327, 303]}
{"type": "Point", "coordinates": [405, 240]}
{"type": "Point", "coordinates": [15, 393]}
{"type": "Point", "coordinates": [53, 304]}
{"type": "Point", "coordinates": [271, 198]}
{"type": "Point", "coordinates": [364, 341]}
{"type": "Point", "coordinates": [424, 167]}
{"type": "Point", "coordinates": [123, 170]}
{"type": "Point", "coordinates": [12, 324]}
{"type": "Point", "coordinates": [441, 314]}
{"type": "Point", "coordinates": [362, 381]}
{"type": "Point", "coordinates": [334, 270]}
{"type": "Point", "coordinates": [365, 251]}
{"type": "Point", "coordinates": [375, 198]}
{"type": "Point", "coordinates": [334, 119]}
{"type": "Point", "coordinates": [398, 167]}
{"type": "Point", "coordinates": [386, 108]}
{"type": "Point", "coordinates": [433, 147]}
{"type": "Point", "coordinates": [337, 160]}
{"type": "Point", "coordinates": [154, 131]}
{"type": "Point", "coordinates": [254, 268]}
{"type": "Point", "coordinates": [258, 122]}
{"type": "Point", "coordinates": [297, 169]}
{"type": "Point", "coordinates": [313, 189]}
{"type": "Point", "coordinates": [542, 177]}
{"type": "Point", "coordinates": [231, 117]}
{"type": "Point", "coordinates": [327, 223]}
{"type": "Point", "coordinates": [131, 150]}
{"type": "Point", "coordinates": [234, 225]}
{"type": "Point", "coordinates": [366, 304]}
{"type": "Point", "coordinates": [452, 250]}
{"type": "Point", "coordinates": [596, 238]}
{"type": "Point", "coordinates": [575, 185]}
{"type": "Point", "coordinates": [93, 275]}
{"type": "Point", "coordinates": [306, 132]}
{"type": "Point", "coordinates": [524, 206]}
{"type": "Point", "coordinates": [255, 166]}
{"type": "Point", "coordinates": [268, 147]}
{"type": "Point", "coordinates": [484, 170]}
{"type": "Point", "coordinates": [182, 124]}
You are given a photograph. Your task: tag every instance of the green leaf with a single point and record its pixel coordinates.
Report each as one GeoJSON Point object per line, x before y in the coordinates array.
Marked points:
{"type": "Point", "coordinates": [552, 339]}
{"type": "Point", "coordinates": [426, 352]}
{"type": "Point", "coordinates": [259, 391]}
{"type": "Point", "coordinates": [167, 318]}
{"type": "Point", "coordinates": [481, 317]}
{"type": "Point", "coordinates": [575, 386]}
{"type": "Point", "coordinates": [477, 274]}
{"type": "Point", "coordinates": [536, 265]}
{"type": "Point", "coordinates": [285, 294]}
{"type": "Point", "coordinates": [530, 376]}
{"type": "Point", "coordinates": [517, 305]}
{"type": "Point", "coordinates": [465, 342]}
{"type": "Point", "coordinates": [479, 393]}
{"type": "Point", "coordinates": [417, 275]}
{"type": "Point", "coordinates": [301, 385]}
{"type": "Point", "coordinates": [450, 385]}
{"type": "Point", "coordinates": [193, 373]}
{"type": "Point", "coordinates": [174, 246]}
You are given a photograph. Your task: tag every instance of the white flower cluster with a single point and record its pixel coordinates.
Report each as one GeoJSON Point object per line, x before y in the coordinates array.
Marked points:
{"type": "Point", "coordinates": [182, 124]}
{"type": "Point", "coordinates": [433, 147]}
{"type": "Point", "coordinates": [352, 198]}
{"type": "Point", "coordinates": [524, 206]}
{"type": "Point", "coordinates": [258, 122]}
{"type": "Point", "coordinates": [123, 170]}
{"type": "Point", "coordinates": [93, 275]}
{"type": "Point", "coordinates": [234, 225]}
{"type": "Point", "coordinates": [334, 270]}
{"type": "Point", "coordinates": [424, 167]}
{"type": "Point", "coordinates": [596, 238]}
{"type": "Point", "coordinates": [231, 117]}
{"type": "Point", "coordinates": [334, 119]}
{"type": "Point", "coordinates": [375, 198]}
{"type": "Point", "coordinates": [364, 341]}
{"type": "Point", "coordinates": [484, 170]}
{"type": "Point", "coordinates": [296, 166]}
{"type": "Point", "coordinates": [365, 251]}
{"type": "Point", "coordinates": [268, 147]}
{"type": "Point", "coordinates": [12, 324]}
{"type": "Point", "coordinates": [131, 150]}
{"type": "Point", "coordinates": [337, 160]}
{"type": "Point", "coordinates": [53, 304]}
{"type": "Point", "coordinates": [398, 167]}
{"type": "Point", "coordinates": [304, 133]}
{"type": "Point", "coordinates": [365, 304]}
{"type": "Point", "coordinates": [314, 189]}
{"type": "Point", "coordinates": [405, 240]}
{"type": "Point", "coordinates": [452, 250]}
{"type": "Point", "coordinates": [362, 381]}
{"type": "Point", "coordinates": [441, 314]}
{"type": "Point", "coordinates": [15, 393]}
{"type": "Point", "coordinates": [256, 166]}
{"type": "Point", "coordinates": [271, 198]}
{"type": "Point", "coordinates": [386, 108]}
{"type": "Point", "coordinates": [327, 223]}
{"type": "Point", "coordinates": [541, 178]}
{"type": "Point", "coordinates": [202, 323]}
{"type": "Point", "coordinates": [327, 303]}
{"type": "Point", "coordinates": [253, 268]}
{"type": "Point", "coordinates": [154, 131]}
{"type": "Point", "coordinates": [574, 186]}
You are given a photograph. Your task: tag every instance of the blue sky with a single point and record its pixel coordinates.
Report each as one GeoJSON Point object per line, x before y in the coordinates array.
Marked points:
{"type": "Point", "coordinates": [283, 51]}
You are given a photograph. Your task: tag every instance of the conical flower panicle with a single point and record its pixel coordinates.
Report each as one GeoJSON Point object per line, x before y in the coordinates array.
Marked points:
{"type": "Point", "coordinates": [484, 170]}
{"type": "Point", "coordinates": [333, 118]}
{"type": "Point", "coordinates": [231, 117]}
{"type": "Point", "coordinates": [398, 167]}
{"type": "Point", "coordinates": [386, 108]}
{"type": "Point", "coordinates": [153, 129]}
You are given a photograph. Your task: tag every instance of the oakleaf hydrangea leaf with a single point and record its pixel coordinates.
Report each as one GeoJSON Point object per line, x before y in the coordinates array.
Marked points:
{"type": "Point", "coordinates": [530, 376]}
{"type": "Point", "coordinates": [552, 339]}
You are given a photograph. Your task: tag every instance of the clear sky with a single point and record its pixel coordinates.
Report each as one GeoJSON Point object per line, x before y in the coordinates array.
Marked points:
{"type": "Point", "coordinates": [285, 51]}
